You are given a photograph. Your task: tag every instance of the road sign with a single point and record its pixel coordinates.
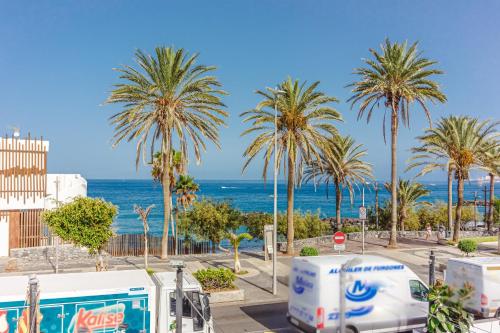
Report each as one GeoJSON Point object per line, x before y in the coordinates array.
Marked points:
{"type": "Point", "coordinates": [362, 213]}
{"type": "Point", "coordinates": [339, 247]}
{"type": "Point", "coordinates": [339, 238]}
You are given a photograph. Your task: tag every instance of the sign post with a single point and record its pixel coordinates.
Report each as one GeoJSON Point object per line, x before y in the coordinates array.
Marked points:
{"type": "Point", "coordinates": [339, 241]}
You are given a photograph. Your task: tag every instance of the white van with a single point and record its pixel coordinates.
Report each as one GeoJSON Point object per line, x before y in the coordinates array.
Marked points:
{"type": "Point", "coordinates": [483, 273]}
{"type": "Point", "coordinates": [382, 295]}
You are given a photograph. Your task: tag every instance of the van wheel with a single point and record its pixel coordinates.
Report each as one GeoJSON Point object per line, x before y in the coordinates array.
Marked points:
{"type": "Point", "coordinates": [350, 329]}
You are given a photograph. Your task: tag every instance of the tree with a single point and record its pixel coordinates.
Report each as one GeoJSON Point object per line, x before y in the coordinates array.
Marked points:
{"type": "Point", "coordinates": [399, 77]}
{"type": "Point", "coordinates": [460, 141]}
{"type": "Point", "coordinates": [341, 163]}
{"type": "Point", "coordinates": [446, 310]}
{"type": "Point", "coordinates": [490, 162]}
{"type": "Point", "coordinates": [186, 189]}
{"type": "Point", "coordinates": [409, 195]}
{"type": "Point", "coordinates": [212, 220]}
{"type": "Point", "coordinates": [235, 240]}
{"type": "Point", "coordinates": [168, 97]}
{"type": "Point", "coordinates": [143, 215]}
{"type": "Point", "coordinates": [84, 222]}
{"type": "Point", "coordinates": [303, 123]}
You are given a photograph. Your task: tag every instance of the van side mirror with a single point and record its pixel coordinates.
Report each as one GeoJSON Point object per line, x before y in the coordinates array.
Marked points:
{"type": "Point", "coordinates": [207, 313]}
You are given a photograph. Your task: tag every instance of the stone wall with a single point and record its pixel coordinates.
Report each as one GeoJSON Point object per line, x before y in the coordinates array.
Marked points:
{"type": "Point", "coordinates": [48, 253]}
{"type": "Point", "coordinates": [327, 240]}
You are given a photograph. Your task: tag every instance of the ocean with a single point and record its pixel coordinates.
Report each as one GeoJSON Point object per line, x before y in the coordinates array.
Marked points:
{"type": "Point", "coordinates": [249, 196]}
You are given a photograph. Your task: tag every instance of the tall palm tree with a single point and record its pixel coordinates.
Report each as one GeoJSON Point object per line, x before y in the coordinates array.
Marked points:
{"type": "Point", "coordinates": [399, 77]}
{"type": "Point", "coordinates": [341, 163]}
{"type": "Point", "coordinates": [409, 195]}
{"type": "Point", "coordinates": [491, 164]}
{"type": "Point", "coordinates": [304, 121]}
{"type": "Point", "coordinates": [459, 141]}
{"type": "Point", "coordinates": [169, 97]}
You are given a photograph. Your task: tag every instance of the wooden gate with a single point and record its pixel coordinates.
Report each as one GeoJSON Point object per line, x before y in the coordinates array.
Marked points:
{"type": "Point", "coordinates": [26, 229]}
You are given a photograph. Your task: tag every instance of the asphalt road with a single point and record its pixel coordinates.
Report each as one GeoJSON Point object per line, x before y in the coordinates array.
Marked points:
{"type": "Point", "coordinates": [252, 318]}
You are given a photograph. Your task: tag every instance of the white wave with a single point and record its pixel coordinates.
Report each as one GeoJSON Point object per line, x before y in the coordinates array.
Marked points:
{"type": "Point", "coordinates": [228, 187]}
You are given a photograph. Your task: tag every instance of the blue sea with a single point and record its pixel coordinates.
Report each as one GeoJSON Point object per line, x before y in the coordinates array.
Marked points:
{"type": "Point", "coordinates": [249, 196]}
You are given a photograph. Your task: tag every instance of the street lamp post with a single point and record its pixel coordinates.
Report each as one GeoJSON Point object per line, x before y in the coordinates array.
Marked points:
{"type": "Point", "coordinates": [275, 215]}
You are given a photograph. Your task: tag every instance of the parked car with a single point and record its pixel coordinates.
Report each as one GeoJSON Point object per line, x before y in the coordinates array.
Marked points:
{"type": "Point", "coordinates": [382, 295]}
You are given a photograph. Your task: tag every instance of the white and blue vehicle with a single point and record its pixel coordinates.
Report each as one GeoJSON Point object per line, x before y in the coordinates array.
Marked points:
{"type": "Point", "coordinates": [382, 295]}
{"type": "Point", "coordinates": [114, 301]}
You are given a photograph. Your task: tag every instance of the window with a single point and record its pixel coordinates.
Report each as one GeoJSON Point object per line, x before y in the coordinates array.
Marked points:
{"type": "Point", "coordinates": [191, 308]}
{"type": "Point", "coordinates": [418, 291]}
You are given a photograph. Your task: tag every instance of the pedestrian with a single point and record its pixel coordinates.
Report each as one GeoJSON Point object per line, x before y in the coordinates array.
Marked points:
{"type": "Point", "coordinates": [428, 231]}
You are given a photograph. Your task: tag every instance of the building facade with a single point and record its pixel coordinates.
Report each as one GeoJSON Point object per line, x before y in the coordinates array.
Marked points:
{"type": "Point", "coordinates": [26, 190]}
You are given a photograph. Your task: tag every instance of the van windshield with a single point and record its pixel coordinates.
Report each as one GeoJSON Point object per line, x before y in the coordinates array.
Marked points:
{"type": "Point", "coordinates": [191, 308]}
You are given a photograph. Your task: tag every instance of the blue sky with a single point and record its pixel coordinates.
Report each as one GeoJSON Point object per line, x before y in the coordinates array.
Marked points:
{"type": "Point", "coordinates": [56, 61]}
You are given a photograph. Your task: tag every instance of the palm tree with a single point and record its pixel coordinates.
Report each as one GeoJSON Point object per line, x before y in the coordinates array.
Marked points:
{"type": "Point", "coordinates": [177, 165]}
{"type": "Point", "coordinates": [303, 122]}
{"type": "Point", "coordinates": [398, 77]}
{"type": "Point", "coordinates": [491, 164]}
{"type": "Point", "coordinates": [409, 195]}
{"type": "Point", "coordinates": [186, 189]}
{"type": "Point", "coordinates": [235, 241]}
{"type": "Point", "coordinates": [143, 215]}
{"type": "Point", "coordinates": [341, 162]}
{"type": "Point", "coordinates": [458, 141]}
{"type": "Point", "coordinates": [168, 98]}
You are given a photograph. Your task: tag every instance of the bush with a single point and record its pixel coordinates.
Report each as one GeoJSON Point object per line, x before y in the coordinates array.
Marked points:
{"type": "Point", "coordinates": [309, 251]}
{"type": "Point", "coordinates": [347, 229]}
{"type": "Point", "coordinates": [467, 246]}
{"type": "Point", "coordinates": [215, 279]}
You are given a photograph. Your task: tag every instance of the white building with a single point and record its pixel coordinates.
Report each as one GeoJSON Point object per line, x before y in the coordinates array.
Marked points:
{"type": "Point", "coordinates": [26, 190]}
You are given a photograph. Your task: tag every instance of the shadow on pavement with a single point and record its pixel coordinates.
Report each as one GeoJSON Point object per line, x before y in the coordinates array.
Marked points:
{"type": "Point", "coordinates": [271, 316]}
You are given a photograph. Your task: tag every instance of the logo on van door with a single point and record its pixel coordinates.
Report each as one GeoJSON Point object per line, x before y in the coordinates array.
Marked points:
{"type": "Point", "coordinates": [301, 284]}
{"type": "Point", "coordinates": [97, 320]}
{"type": "Point", "coordinates": [361, 291]}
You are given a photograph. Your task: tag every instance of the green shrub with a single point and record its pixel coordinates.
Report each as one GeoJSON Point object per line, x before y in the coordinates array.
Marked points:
{"type": "Point", "coordinates": [347, 229]}
{"type": "Point", "coordinates": [214, 279]}
{"type": "Point", "coordinates": [467, 246]}
{"type": "Point", "coordinates": [309, 251]}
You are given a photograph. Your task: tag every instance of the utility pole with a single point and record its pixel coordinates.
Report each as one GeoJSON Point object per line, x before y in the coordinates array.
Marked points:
{"type": "Point", "coordinates": [342, 277]}
{"type": "Point", "coordinates": [56, 238]}
{"type": "Point", "coordinates": [179, 265]}
{"type": "Point", "coordinates": [363, 218]}
{"type": "Point", "coordinates": [475, 209]}
{"type": "Point", "coordinates": [485, 205]}
{"type": "Point", "coordinates": [33, 299]}
{"type": "Point", "coordinates": [376, 204]}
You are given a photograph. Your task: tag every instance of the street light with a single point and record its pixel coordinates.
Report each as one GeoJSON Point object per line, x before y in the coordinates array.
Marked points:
{"type": "Point", "coordinates": [276, 92]}
{"type": "Point", "coordinates": [179, 265]}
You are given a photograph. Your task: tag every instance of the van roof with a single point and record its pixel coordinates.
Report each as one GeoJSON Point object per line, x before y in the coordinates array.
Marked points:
{"type": "Point", "coordinates": [168, 280]}
{"type": "Point", "coordinates": [478, 261]}
{"type": "Point", "coordinates": [336, 260]}
{"type": "Point", "coordinates": [75, 283]}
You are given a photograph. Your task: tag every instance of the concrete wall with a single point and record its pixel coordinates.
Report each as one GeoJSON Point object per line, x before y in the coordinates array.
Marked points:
{"type": "Point", "coordinates": [64, 188]}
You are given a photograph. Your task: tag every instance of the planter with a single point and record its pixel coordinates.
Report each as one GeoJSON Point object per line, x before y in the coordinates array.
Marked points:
{"type": "Point", "coordinates": [227, 296]}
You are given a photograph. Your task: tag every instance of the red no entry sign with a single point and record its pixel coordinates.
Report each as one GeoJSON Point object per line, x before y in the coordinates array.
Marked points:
{"type": "Point", "coordinates": [339, 237]}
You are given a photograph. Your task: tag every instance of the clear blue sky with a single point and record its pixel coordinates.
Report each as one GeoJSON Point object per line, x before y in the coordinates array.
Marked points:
{"type": "Point", "coordinates": [56, 61]}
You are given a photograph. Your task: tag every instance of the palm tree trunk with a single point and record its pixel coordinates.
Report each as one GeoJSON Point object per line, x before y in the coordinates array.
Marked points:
{"type": "Point", "coordinates": [492, 199]}
{"type": "Point", "coordinates": [166, 197]}
{"type": "Point", "coordinates": [237, 264]}
{"type": "Point", "coordinates": [394, 180]}
{"type": "Point", "coordinates": [458, 213]}
{"type": "Point", "coordinates": [146, 250]}
{"type": "Point", "coordinates": [289, 209]}
{"type": "Point", "coordinates": [450, 198]}
{"type": "Point", "coordinates": [338, 201]}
